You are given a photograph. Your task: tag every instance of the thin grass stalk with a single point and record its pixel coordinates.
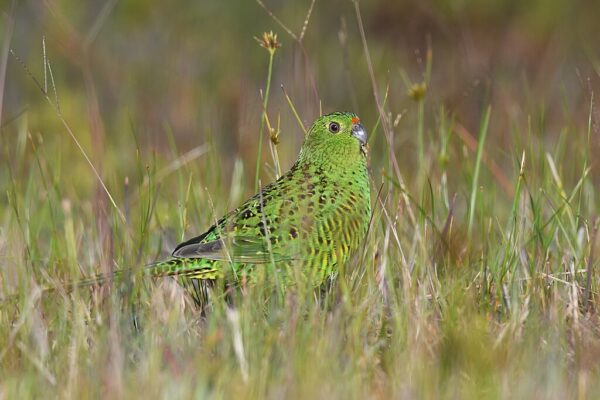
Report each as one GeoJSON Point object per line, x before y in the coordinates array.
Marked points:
{"type": "Point", "coordinates": [480, 146]}
{"type": "Point", "coordinates": [263, 119]}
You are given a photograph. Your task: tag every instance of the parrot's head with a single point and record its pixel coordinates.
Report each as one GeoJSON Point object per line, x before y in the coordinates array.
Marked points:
{"type": "Point", "coordinates": [337, 138]}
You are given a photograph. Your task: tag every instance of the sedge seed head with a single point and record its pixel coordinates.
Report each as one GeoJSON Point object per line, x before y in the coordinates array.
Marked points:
{"type": "Point", "coordinates": [274, 136]}
{"type": "Point", "coordinates": [417, 91]}
{"type": "Point", "coordinates": [268, 41]}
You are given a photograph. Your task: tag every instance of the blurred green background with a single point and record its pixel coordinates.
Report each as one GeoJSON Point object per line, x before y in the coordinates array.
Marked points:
{"type": "Point", "coordinates": [126, 69]}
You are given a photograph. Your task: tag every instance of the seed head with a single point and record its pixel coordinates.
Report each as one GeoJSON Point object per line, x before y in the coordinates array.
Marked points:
{"type": "Point", "coordinates": [268, 41]}
{"type": "Point", "coordinates": [417, 91]}
{"type": "Point", "coordinates": [274, 136]}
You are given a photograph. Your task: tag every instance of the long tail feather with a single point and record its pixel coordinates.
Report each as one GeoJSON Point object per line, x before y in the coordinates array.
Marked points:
{"type": "Point", "coordinates": [176, 267]}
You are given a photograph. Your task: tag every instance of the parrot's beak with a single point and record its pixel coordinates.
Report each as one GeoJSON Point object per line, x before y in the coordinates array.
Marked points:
{"type": "Point", "coordinates": [359, 132]}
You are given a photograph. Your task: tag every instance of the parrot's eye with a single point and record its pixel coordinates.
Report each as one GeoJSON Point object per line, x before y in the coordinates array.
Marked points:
{"type": "Point", "coordinates": [334, 127]}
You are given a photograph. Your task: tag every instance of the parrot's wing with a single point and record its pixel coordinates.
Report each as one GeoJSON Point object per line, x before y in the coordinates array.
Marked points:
{"type": "Point", "coordinates": [238, 249]}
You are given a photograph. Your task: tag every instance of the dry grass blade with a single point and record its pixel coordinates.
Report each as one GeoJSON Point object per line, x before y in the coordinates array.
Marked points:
{"type": "Point", "coordinates": [71, 134]}
{"type": "Point", "coordinates": [293, 108]}
{"type": "Point", "coordinates": [277, 20]}
{"type": "Point", "coordinates": [305, 24]}
{"type": "Point", "coordinates": [384, 119]}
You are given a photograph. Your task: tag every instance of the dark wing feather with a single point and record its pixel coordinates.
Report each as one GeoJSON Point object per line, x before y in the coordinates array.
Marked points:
{"type": "Point", "coordinates": [238, 249]}
{"type": "Point", "coordinates": [241, 236]}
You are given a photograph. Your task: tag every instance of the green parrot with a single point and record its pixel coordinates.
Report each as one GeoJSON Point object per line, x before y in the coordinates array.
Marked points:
{"type": "Point", "coordinates": [302, 226]}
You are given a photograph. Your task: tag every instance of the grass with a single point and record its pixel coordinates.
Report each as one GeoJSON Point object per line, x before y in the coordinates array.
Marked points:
{"type": "Point", "coordinates": [478, 278]}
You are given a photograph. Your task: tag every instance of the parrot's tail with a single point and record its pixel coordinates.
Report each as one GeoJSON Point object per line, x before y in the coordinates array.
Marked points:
{"type": "Point", "coordinates": [197, 274]}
